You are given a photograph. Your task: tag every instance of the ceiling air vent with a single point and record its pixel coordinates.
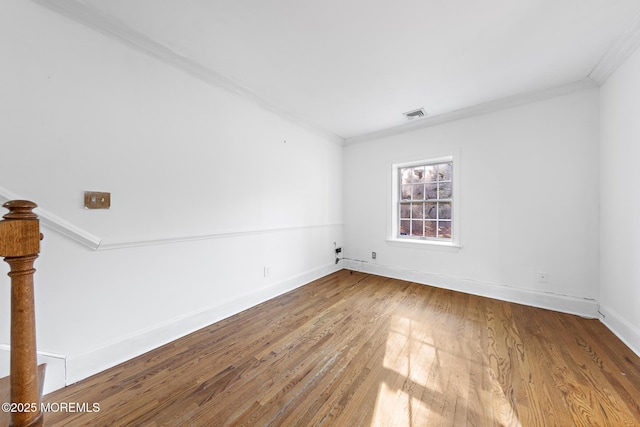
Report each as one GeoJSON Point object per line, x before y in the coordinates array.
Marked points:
{"type": "Point", "coordinates": [415, 114]}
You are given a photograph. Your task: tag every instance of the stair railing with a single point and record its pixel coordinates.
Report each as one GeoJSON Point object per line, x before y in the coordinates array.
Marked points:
{"type": "Point", "coordinates": [20, 244]}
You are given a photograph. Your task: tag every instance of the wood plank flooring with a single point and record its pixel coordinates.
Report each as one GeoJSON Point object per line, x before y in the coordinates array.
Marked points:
{"type": "Point", "coordinates": [353, 349]}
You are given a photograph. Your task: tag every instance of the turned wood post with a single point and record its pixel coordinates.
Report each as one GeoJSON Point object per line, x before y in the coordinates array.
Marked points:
{"type": "Point", "coordinates": [20, 244]}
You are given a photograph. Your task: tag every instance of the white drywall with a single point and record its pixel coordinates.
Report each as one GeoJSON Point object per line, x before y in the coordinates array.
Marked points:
{"type": "Point", "coordinates": [208, 189]}
{"type": "Point", "coordinates": [620, 202]}
{"type": "Point", "coordinates": [528, 204]}
{"type": "Point", "coordinates": [182, 160]}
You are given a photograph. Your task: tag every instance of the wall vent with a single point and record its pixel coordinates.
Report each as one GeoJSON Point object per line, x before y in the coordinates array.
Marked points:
{"type": "Point", "coordinates": [415, 114]}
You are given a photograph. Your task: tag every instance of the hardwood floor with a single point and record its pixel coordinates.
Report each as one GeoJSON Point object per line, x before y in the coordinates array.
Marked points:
{"type": "Point", "coordinates": [353, 349]}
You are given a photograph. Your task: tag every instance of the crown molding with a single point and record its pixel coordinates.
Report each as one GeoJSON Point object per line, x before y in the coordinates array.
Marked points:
{"type": "Point", "coordinates": [475, 110]}
{"type": "Point", "coordinates": [624, 46]}
{"type": "Point", "coordinates": [95, 19]}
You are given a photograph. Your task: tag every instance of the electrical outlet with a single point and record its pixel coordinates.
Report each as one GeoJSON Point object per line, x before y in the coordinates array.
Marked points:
{"type": "Point", "coordinates": [267, 271]}
{"type": "Point", "coordinates": [543, 277]}
{"type": "Point", "coordinates": [373, 255]}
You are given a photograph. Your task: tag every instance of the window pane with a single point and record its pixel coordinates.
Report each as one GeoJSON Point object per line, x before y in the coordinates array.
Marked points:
{"type": "Point", "coordinates": [445, 210]}
{"type": "Point", "coordinates": [430, 210]}
{"type": "Point", "coordinates": [406, 192]}
{"type": "Point", "coordinates": [405, 227]}
{"type": "Point", "coordinates": [431, 174]}
{"type": "Point", "coordinates": [430, 229]}
{"type": "Point", "coordinates": [445, 190]}
{"type": "Point", "coordinates": [405, 211]}
{"type": "Point", "coordinates": [417, 211]}
{"type": "Point", "coordinates": [418, 192]}
{"type": "Point", "coordinates": [407, 175]}
{"type": "Point", "coordinates": [425, 201]}
{"type": "Point", "coordinates": [418, 174]}
{"type": "Point", "coordinates": [444, 229]}
{"type": "Point", "coordinates": [444, 172]}
{"type": "Point", "coordinates": [416, 228]}
{"type": "Point", "coordinates": [431, 191]}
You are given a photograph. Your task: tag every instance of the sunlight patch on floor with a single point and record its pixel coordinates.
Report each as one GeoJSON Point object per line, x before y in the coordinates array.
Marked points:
{"type": "Point", "coordinates": [409, 355]}
{"type": "Point", "coordinates": [396, 408]}
{"type": "Point", "coordinates": [424, 385]}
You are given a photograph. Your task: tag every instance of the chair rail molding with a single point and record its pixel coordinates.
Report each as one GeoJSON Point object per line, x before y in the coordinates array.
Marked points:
{"type": "Point", "coordinates": [58, 224]}
{"type": "Point", "coordinates": [96, 243]}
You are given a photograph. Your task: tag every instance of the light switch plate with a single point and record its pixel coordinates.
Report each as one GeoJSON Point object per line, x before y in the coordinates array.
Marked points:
{"type": "Point", "coordinates": [97, 200]}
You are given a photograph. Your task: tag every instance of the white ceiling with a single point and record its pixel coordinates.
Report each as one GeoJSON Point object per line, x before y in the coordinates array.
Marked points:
{"type": "Point", "coordinates": [352, 67]}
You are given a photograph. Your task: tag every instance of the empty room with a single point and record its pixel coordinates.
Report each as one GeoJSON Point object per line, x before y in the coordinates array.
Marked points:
{"type": "Point", "coordinates": [304, 213]}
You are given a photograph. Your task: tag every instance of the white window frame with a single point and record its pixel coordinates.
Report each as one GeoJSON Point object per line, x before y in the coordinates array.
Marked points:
{"type": "Point", "coordinates": [393, 235]}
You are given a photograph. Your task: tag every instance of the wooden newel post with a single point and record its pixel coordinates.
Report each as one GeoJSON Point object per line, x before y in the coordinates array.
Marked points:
{"type": "Point", "coordinates": [20, 244]}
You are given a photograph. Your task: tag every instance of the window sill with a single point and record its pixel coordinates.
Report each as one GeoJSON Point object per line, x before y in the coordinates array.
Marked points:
{"type": "Point", "coordinates": [426, 244]}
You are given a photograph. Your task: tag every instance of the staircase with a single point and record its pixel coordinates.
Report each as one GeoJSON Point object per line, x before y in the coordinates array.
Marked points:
{"type": "Point", "coordinates": [5, 394]}
{"type": "Point", "coordinates": [20, 244]}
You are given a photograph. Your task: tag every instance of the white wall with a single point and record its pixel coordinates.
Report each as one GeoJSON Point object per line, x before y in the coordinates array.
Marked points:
{"type": "Point", "coordinates": [529, 204]}
{"type": "Point", "coordinates": [182, 159]}
{"type": "Point", "coordinates": [620, 202]}
{"type": "Point", "coordinates": [188, 161]}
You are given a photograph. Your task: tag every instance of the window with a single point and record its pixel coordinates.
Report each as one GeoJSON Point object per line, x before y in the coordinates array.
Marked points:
{"type": "Point", "coordinates": [424, 202]}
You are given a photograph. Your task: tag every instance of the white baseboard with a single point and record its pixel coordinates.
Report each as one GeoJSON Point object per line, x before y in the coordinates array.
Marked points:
{"type": "Point", "coordinates": [628, 334]}
{"type": "Point", "coordinates": [82, 366]}
{"type": "Point", "coordinates": [63, 371]}
{"type": "Point", "coordinates": [56, 370]}
{"type": "Point", "coordinates": [563, 303]}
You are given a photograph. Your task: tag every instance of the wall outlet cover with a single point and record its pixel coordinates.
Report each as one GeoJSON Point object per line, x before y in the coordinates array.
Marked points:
{"type": "Point", "coordinates": [97, 200]}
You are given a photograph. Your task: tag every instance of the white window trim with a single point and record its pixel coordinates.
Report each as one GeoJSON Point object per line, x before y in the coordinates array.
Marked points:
{"type": "Point", "coordinates": [392, 235]}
